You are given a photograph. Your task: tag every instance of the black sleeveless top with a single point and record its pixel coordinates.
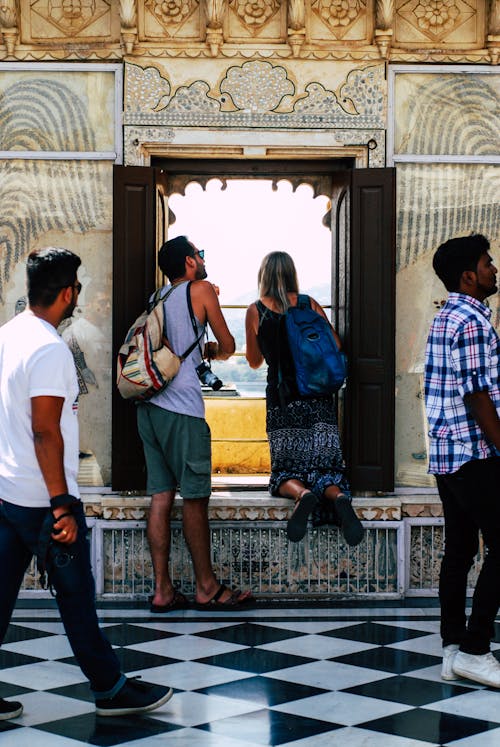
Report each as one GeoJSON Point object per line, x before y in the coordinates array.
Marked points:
{"type": "Point", "coordinates": [273, 345]}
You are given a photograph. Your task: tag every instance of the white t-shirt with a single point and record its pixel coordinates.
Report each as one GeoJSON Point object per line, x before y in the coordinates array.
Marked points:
{"type": "Point", "coordinates": [34, 361]}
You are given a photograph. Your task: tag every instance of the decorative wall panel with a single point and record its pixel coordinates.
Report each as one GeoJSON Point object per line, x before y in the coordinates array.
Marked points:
{"type": "Point", "coordinates": [61, 202]}
{"type": "Point", "coordinates": [263, 20]}
{"type": "Point", "coordinates": [260, 558]}
{"type": "Point", "coordinates": [426, 543]}
{"type": "Point", "coordinates": [255, 94]}
{"type": "Point", "coordinates": [180, 20]}
{"type": "Point", "coordinates": [49, 20]}
{"type": "Point", "coordinates": [67, 203]}
{"type": "Point", "coordinates": [435, 203]}
{"type": "Point", "coordinates": [440, 23]}
{"type": "Point", "coordinates": [358, 30]}
{"type": "Point", "coordinates": [53, 110]}
{"type": "Point", "coordinates": [344, 20]}
{"type": "Point", "coordinates": [461, 112]}
{"type": "Point", "coordinates": [443, 121]}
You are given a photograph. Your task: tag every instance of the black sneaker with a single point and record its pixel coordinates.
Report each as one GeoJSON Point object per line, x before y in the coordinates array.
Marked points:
{"type": "Point", "coordinates": [10, 709]}
{"type": "Point", "coordinates": [134, 697]}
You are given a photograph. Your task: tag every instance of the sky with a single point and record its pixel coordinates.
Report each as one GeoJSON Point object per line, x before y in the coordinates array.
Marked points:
{"type": "Point", "coordinates": [238, 226]}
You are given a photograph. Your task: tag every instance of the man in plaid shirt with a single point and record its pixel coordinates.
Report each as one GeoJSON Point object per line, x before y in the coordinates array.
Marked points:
{"type": "Point", "coordinates": [462, 398]}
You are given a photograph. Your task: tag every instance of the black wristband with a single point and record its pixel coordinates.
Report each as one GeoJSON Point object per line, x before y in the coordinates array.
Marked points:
{"type": "Point", "coordinates": [62, 516]}
{"type": "Point", "coordinates": [65, 499]}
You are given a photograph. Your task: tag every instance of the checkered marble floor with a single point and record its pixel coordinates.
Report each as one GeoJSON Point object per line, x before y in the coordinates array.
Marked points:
{"type": "Point", "coordinates": [307, 677]}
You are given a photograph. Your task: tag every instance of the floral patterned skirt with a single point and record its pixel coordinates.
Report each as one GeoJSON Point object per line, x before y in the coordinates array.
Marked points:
{"type": "Point", "coordinates": [305, 445]}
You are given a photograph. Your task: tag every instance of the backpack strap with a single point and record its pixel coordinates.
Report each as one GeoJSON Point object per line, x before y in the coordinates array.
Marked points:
{"type": "Point", "coordinates": [157, 298]}
{"type": "Point", "coordinates": [195, 329]}
{"type": "Point", "coordinates": [303, 301]}
{"type": "Point", "coordinates": [284, 390]}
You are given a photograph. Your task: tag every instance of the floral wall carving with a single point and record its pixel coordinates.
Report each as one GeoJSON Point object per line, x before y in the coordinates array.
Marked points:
{"type": "Point", "coordinates": [255, 15]}
{"type": "Point", "coordinates": [340, 16]}
{"type": "Point", "coordinates": [51, 22]}
{"type": "Point", "coordinates": [255, 93]}
{"type": "Point", "coordinates": [439, 22]}
{"type": "Point", "coordinates": [168, 17]}
{"type": "Point", "coordinates": [398, 30]}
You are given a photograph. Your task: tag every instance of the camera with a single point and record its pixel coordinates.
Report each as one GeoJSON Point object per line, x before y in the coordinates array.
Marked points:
{"type": "Point", "coordinates": [207, 376]}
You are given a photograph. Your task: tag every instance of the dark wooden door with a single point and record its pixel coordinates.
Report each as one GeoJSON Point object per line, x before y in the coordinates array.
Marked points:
{"type": "Point", "coordinates": [364, 218]}
{"type": "Point", "coordinates": [134, 276]}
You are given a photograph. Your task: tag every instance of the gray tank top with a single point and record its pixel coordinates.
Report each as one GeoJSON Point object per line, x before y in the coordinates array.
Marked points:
{"type": "Point", "coordinates": [183, 394]}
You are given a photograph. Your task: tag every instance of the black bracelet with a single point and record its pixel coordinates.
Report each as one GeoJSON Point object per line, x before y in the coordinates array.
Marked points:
{"type": "Point", "coordinates": [65, 499]}
{"type": "Point", "coordinates": [62, 516]}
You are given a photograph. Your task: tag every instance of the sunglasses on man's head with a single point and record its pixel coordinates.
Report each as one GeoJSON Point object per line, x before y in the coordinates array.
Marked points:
{"type": "Point", "coordinates": [200, 253]}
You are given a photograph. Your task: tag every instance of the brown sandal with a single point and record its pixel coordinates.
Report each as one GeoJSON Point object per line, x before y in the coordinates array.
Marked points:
{"type": "Point", "coordinates": [235, 602]}
{"type": "Point", "coordinates": [178, 602]}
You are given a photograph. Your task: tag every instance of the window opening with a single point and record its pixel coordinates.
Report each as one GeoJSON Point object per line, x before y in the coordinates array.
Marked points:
{"type": "Point", "coordinates": [237, 221]}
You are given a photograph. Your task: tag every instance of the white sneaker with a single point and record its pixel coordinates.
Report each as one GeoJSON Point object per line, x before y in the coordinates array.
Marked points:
{"type": "Point", "coordinates": [483, 668]}
{"type": "Point", "coordinates": [449, 654]}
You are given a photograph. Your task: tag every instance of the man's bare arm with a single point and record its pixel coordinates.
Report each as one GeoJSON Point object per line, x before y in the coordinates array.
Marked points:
{"type": "Point", "coordinates": [204, 299]}
{"type": "Point", "coordinates": [49, 450]}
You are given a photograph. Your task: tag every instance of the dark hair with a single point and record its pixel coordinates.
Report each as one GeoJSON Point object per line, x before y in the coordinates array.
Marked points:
{"type": "Point", "coordinates": [48, 271]}
{"type": "Point", "coordinates": [172, 257]}
{"type": "Point", "coordinates": [277, 277]}
{"type": "Point", "coordinates": [457, 255]}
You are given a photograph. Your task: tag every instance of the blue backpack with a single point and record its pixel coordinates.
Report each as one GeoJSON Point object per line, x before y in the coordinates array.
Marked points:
{"type": "Point", "coordinates": [320, 368]}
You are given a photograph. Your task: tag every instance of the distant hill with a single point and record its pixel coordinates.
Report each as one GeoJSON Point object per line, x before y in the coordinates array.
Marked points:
{"type": "Point", "coordinates": [236, 317]}
{"type": "Point", "coordinates": [320, 292]}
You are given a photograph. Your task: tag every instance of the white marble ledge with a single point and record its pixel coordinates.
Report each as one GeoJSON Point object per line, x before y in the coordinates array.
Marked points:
{"type": "Point", "coordinates": [256, 505]}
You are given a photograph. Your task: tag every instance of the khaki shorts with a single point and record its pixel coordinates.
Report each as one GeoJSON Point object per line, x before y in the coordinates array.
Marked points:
{"type": "Point", "coordinates": [177, 449]}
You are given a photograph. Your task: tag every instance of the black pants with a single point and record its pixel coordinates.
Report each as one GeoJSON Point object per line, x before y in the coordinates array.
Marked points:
{"type": "Point", "coordinates": [471, 503]}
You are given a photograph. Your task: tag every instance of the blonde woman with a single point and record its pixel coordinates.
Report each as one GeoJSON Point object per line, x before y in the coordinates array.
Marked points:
{"type": "Point", "coordinates": [306, 458]}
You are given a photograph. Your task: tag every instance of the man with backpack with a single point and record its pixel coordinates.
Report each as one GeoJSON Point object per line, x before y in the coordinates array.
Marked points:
{"type": "Point", "coordinates": [175, 435]}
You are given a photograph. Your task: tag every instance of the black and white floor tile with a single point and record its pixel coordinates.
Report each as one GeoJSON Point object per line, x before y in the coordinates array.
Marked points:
{"type": "Point", "coordinates": [305, 677]}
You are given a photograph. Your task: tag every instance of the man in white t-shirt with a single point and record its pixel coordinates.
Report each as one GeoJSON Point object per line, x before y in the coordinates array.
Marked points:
{"type": "Point", "coordinates": [40, 509]}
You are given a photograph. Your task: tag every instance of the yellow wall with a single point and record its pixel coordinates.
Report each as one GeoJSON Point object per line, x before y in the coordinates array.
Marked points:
{"type": "Point", "coordinates": [228, 418]}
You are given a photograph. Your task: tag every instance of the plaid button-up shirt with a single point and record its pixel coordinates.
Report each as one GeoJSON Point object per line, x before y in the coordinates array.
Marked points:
{"type": "Point", "coordinates": [461, 358]}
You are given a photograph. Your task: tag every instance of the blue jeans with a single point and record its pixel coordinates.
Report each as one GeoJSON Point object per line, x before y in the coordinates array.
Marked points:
{"type": "Point", "coordinates": [70, 575]}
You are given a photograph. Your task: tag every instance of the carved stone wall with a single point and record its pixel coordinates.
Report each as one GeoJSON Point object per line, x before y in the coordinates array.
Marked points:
{"type": "Point", "coordinates": [240, 79]}
{"type": "Point", "coordinates": [348, 102]}
{"type": "Point", "coordinates": [396, 30]}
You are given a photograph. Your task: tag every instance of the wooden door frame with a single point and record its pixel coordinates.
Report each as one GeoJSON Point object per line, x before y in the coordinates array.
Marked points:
{"type": "Point", "coordinates": [146, 265]}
